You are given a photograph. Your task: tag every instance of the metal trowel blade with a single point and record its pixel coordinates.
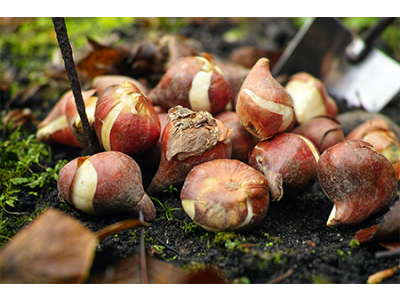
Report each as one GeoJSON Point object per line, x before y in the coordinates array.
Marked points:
{"type": "Point", "coordinates": [319, 49]}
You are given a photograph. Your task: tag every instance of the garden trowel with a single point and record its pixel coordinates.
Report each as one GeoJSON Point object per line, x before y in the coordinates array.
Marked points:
{"type": "Point", "coordinates": [350, 67]}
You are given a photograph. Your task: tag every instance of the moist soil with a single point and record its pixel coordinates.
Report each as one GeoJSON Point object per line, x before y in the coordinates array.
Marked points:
{"type": "Point", "coordinates": [292, 239]}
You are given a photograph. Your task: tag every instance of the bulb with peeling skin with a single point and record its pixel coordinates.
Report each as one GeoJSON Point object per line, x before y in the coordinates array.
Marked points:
{"type": "Point", "coordinates": [377, 132]}
{"type": "Point", "coordinates": [263, 106]}
{"type": "Point", "coordinates": [125, 120]}
{"type": "Point", "coordinates": [225, 194]}
{"type": "Point", "coordinates": [310, 98]}
{"type": "Point", "coordinates": [194, 82]}
{"type": "Point", "coordinates": [189, 138]}
{"type": "Point", "coordinates": [55, 127]}
{"type": "Point", "coordinates": [288, 161]}
{"type": "Point", "coordinates": [105, 183]}
{"type": "Point", "coordinates": [74, 120]}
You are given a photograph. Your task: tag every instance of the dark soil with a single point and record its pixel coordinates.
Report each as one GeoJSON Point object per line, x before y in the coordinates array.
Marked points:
{"type": "Point", "coordinates": [292, 236]}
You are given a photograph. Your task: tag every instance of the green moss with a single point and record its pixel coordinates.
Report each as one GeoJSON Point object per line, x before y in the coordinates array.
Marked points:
{"type": "Point", "coordinates": [354, 244]}
{"type": "Point", "coordinates": [33, 45]}
{"type": "Point", "coordinates": [21, 167]}
{"type": "Point", "coordinates": [242, 280]}
{"type": "Point", "coordinates": [274, 239]}
{"type": "Point", "coordinates": [230, 240]}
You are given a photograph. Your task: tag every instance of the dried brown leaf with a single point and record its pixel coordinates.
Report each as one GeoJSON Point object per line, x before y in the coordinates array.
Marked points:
{"type": "Point", "coordinates": [387, 233]}
{"type": "Point", "coordinates": [18, 117]}
{"type": "Point", "coordinates": [102, 60]}
{"type": "Point", "coordinates": [381, 275]}
{"type": "Point", "coordinates": [54, 248]}
{"type": "Point", "coordinates": [128, 271]}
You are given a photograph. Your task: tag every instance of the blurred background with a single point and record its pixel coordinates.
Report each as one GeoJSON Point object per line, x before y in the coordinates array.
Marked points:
{"type": "Point", "coordinates": [31, 69]}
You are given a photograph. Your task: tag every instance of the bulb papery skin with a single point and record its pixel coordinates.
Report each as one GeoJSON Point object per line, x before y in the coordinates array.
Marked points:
{"type": "Point", "coordinates": [105, 183]}
{"type": "Point", "coordinates": [194, 82]}
{"type": "Point", "coordinates": [310, 98]}
{"type": "Point", "coordinates": [263, 106]}
{"type": "Point", "coordinates": [189, 138]}
{"type": "Point", "coordinates": [54, 128]}
{"type": "Point", "coordinates": [358, 180]}
{"type": "Point", "coordinates": [377, 132]}
{"type": "Point", "coordinates": [125, 120]}
{"type": "Point", "coordinates": [225, 194]}
{"type": "Point", "coordinates": [288, 161]}
{"type": "Point", "coordinates": [74, 120]}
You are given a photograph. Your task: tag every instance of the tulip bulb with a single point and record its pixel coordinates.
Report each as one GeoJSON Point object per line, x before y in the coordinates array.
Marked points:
{"type": "Point", "coordinates": [190, 138]}
{"type": "Point", "coordinates": [225, 194]}
{"type": "Point", "coordinates": [105, 183]}
{"type": "Point", "coordinates": [288, 161]}
{"type": "Point", "coordinates": [194, 82]}
{"type": "Point", "coordinates": [242, 140]}
{"type": "Point", "coordinates": [310, 98]}
{"type": "Point", "coordinates": [55, 128]}
{"type": "Point", "coordinates": [74, 120]}
{"type": "Point", "coordinates": [377, 132]}
{"type": "Point", "coordinates": [125, 120]}
{"type": "Point", "coordinates": [101, 82]}
{"type": "Point", "coordinates": [359, 181]}
{"type": "Point", "coordinates": [322, 131]}
{"type": "Point", "coordinates": [263, 106]}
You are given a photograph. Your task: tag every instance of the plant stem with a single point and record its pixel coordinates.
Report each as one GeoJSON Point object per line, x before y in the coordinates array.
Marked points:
{"type": "Point", "coordinates": [66, 51]}
{"type": "Point", "coordinates": [142, 254]}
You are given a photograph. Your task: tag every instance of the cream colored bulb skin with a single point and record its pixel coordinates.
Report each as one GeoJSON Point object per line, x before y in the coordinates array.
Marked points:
{"type": "Point", "coordinates": [105, 183]}
{"type": "Point", "coordinates": [125, 120]}
{"type": "Point", "coordinates": [263, 106]}
{"type": "Point", "coordinates": [310, 98]}
{"type": "Point", "coordinates": [225, 194]}
{"type": "Point", "coordinates": [194, 82]}
{"type": "Point", "coordinates": [84, 187]}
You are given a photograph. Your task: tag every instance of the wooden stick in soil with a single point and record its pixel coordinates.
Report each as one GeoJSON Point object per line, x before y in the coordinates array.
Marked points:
{"type": "Point", "coordinates": [66, 51]}
{"type": "Point", "coordinates": [142, 253]}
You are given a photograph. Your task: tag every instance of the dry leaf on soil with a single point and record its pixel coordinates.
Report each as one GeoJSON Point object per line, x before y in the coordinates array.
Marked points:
{"type": "Point", "coordinates": [386, 233]}
{"type": "Point", "coordinates": [128, 271]}
{"type": "Point", "coordinates": [54, 248]}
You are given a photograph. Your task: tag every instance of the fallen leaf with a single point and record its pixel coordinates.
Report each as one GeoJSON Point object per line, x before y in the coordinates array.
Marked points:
{"type": "Point", "coordinates": [17, 117]}
{"type": "Point", "coordinates": [127, 271]}
{"type": "Point", "coordinates": [381, 275]}
{"type": "Point", "coordinates": [102, 60]}
{"type": "Point", "coordinates": [386, 233]}
{"type": "Point", "coordinates": [54, 248]}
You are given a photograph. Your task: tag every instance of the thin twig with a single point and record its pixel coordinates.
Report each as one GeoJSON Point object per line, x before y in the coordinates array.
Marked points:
{"type": "Point", "coordinates": [167, 246]}
{"type": "Point", "coordinates": [381, 254]}
{"type": "Point", "coordinates": [282, 277]}
{"type": "Point", "coordinates": [119, 226]}
{"type": "Point", "coordinates": [142, 253]}
{"type": "Point", "coordinates": [66, 51]}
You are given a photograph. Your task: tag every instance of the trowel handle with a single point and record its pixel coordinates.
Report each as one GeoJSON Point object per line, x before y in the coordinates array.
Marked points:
{"type": "Point", "coordinates": [373, 34]}
{"type": "Point", "coordinates": [359, 48]}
